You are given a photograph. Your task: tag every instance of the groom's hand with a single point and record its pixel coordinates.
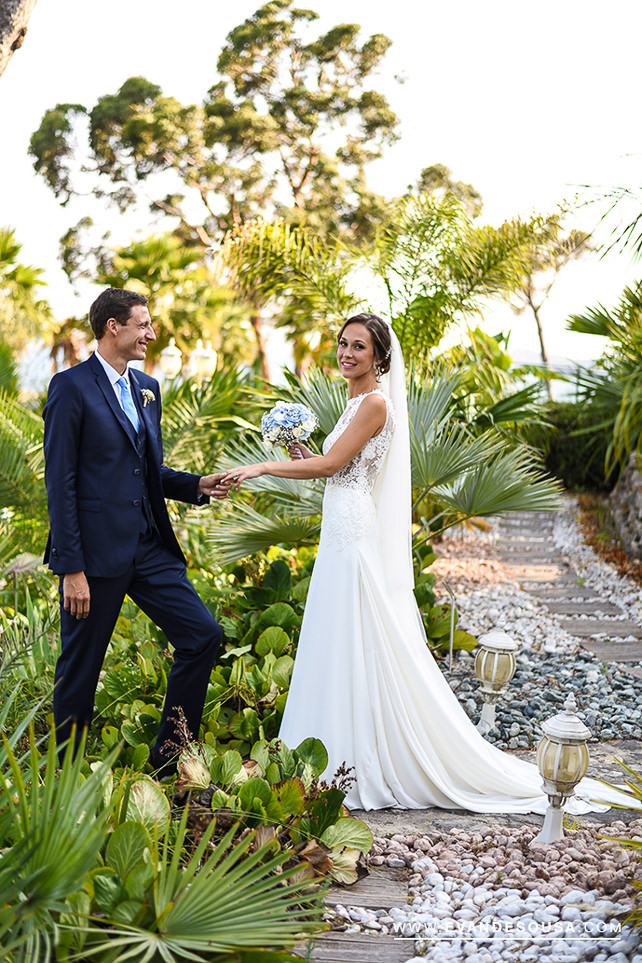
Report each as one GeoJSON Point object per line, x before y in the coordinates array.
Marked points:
{"type": "Point", "coordinates": [75, 594]}
{"type": "Point", "coordinates": [216, 486]}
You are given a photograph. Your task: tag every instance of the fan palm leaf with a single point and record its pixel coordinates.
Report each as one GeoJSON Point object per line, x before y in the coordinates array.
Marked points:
{"type": "Point", "coordinates": [454, 466]}
{"type": "Point", "coordinates": [225, 898]}
{"type": "Point", "coordinates": [196, 419]}
{"type": "Point", "coordinates": [509, 482]}
{"type": "Point", "coordinates": [324, 395]}
{"type": "Point", "coordinates": [444, 452]}
{"type": "Point", "coordinates": [55, 823]}
{"type": "Point", "coordinates": [305, 496]}
{"type": "Point", "coordinates": [614, 391]}
{"type": "Point", "coordinates": [245, 531]}
{"type": "Point", "coordinates": [21, 456]}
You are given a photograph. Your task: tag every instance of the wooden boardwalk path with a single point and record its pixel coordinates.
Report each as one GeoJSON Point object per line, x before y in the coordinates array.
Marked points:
{"type": "Point", "coordinates": [526, 546]}
{"type": "Point", "coordinates": [527, 550]}
{"type": "Point", "coordinates": [382, 889]}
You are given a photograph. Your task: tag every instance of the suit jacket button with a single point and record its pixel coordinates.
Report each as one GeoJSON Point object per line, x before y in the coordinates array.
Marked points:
{"type": "Point", "coordinates": [137, 471]}
{"type": "Point", "coordinates": [136, 502]}
{"type": "Point", "coordinates": [54, 552]}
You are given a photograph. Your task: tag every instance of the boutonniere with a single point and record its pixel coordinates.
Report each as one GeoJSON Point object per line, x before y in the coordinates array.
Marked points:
{"type": "Point", "coordinates": [147, 396]}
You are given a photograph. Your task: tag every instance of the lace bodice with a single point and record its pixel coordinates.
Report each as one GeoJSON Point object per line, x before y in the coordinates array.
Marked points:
{"type": "Point", "coordinates": [348, 507]}
{"type": "Point", "coordinates": [361, 472]}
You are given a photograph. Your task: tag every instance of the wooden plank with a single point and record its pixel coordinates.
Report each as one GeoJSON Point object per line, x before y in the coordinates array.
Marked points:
{"type": "Point", "coordinates": [615, 651]}
{"type": "Point", "coordinates": [379, 890]}
{"type": "Point", "coordinates": [553, 590]}
{"type": "Point", "coordinates": [536, 573]}
{"type": "Point", "coordinates": [614, 628]}
{"type": "Point", "coordinates": [582, 608]}
{"type": "Point", "coordinates": [335, 947]}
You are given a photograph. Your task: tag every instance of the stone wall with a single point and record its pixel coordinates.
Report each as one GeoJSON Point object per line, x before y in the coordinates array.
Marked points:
{"type": "Point", "coordinates": [626, 507]}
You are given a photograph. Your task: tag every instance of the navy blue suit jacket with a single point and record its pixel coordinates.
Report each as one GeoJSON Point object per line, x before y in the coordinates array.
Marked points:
{"type": "Point", "coordinates": [94, 477]}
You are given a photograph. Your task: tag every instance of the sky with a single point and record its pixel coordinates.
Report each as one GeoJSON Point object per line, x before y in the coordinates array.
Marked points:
{"type": "Point", "coordinates": [528, 102]}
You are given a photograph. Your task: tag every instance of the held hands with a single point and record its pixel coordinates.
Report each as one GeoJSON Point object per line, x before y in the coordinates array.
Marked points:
{"type": "Point", "coordinates": [235, 476]}
{"type": "Point", "coordinates": [75, 594]}
{"type": "Point", "coordinates": [216, 486]}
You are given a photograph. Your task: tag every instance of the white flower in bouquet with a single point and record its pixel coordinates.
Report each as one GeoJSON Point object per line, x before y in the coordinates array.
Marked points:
{"type": "Point", "coordinates": [287, 423]}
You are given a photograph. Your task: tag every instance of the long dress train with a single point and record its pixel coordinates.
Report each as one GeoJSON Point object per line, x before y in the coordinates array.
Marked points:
{"type": "Point", "coordinates": [365, 683]}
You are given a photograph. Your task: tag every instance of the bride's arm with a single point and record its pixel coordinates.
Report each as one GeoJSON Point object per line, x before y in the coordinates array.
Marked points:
{"type": "Point", "coordinates": [368, 422]}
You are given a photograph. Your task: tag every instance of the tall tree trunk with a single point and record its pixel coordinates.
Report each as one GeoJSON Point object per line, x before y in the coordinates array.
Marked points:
{"type": "Point", "coordinates": [542, 346]}
{"type": "Point", "coordinates": [14, 17]}
{"type": "Point", "coordinates": [261, 342]}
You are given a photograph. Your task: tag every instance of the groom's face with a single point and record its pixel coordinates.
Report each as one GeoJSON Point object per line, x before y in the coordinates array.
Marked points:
{"type": "Point", "coordinates": [132, 338]}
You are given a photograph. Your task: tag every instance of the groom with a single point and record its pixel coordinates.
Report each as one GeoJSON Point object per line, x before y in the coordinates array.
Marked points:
{"type": "Point", "coordinates": [110, 532]}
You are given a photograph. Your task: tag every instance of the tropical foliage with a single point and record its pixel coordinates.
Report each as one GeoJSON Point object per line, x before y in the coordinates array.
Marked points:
{"type": "Point", "coordinates": [437, 266]}
{"type": "Point", "coordinates": [272, 225]}
{"type": "Point", "coordinates": [466, 473]}
{"type": "Point", "coordinates": [23, 315]}
{"type": "Point", "coordinates": [612, 390]}
{"type": "Point", "coordinates": [100, 864]}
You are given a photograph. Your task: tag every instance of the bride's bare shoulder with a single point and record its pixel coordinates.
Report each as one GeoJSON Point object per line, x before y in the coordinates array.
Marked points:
{"type": "Point", "coordinates": [373, 402]}
{"type": "Point", "coordinates": [373, 410]}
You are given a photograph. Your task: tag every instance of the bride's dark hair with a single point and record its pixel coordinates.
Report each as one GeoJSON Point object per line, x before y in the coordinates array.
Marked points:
{"type": "Point", "coordinates": [380, 334]}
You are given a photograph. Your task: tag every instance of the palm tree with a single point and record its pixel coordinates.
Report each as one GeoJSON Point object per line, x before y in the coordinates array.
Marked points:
{"type": "Point", "coordinates": [22, 490]}
{"type": "Point", "coordinates": [465, 473]}
{"type": "Point", "coordinates": [438, 266]}
{"type": "Point", "coordinates": [294, 275]}
{"type": "Point", "coordinates": [613, 389]}
{"type": "Point", "coordinates": [22, 314]}
{"type": "Point", "coordinates": [187, 301]}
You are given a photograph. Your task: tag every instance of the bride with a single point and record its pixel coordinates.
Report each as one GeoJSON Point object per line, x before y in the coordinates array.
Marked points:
{"type": "Point", "coordinates": [364, 681]}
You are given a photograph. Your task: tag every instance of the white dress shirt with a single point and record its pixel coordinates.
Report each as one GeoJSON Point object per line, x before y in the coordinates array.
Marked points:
{"type": "Point", "coordinates": [113, 376]}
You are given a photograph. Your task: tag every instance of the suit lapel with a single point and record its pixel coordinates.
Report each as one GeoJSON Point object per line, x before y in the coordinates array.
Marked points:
{"type": "Point", "coordinates": [145, 416]}
{"type": "Point", "coordinates": [105, 386]}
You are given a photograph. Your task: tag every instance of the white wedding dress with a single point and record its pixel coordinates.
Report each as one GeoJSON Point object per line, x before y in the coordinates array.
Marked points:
{"type": "Point", "coordinates": [364, 681]}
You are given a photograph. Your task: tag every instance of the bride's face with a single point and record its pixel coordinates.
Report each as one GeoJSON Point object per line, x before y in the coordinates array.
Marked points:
{"type": "Point", "coordinates": [355, 352]}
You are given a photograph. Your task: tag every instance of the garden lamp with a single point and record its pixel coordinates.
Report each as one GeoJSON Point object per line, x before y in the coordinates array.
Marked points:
{"type": "Point", "coordinates": [562, 759]}
{"type": "Point", "coordinates": [494, 667]}
{"type": "Point", "coordinates": [204, 360]}
{"type": "Point", "coordinates": [171, 360]}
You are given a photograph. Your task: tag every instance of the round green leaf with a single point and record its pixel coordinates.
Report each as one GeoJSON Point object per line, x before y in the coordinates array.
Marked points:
{"type": "Point", "coordinates": [140, 756]}
{"type": "Point", "coordinates": [349, 832]}
{"type": "Point", "coordinates": [278, 614]}
{"type": "Point", "coordinates": [291, 795]}
{"type": "Point", "coordinates": [126, 847]}
{"type": "Point", "coordinates": [314, 753]}
{"type": "Point", "coordinates": [254, 788]}
{"type": "Point", "coordinates": [273, 639]}
{"type": "Point", "coordinates": [282, 671]}
{"type": "Point", "coordinates": [148, 804]}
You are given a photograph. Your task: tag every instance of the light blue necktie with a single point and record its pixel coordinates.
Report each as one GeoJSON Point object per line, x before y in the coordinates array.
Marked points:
{"type": "Point", "coordinates": [128, 404]}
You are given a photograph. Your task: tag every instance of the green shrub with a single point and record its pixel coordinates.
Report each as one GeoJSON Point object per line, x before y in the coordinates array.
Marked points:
{"type": "Point", "coordinates": [574, 449]}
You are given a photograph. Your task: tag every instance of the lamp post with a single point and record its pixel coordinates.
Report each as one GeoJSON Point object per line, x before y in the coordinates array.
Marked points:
{"type": "Point", "coordinates": [204, 360]}
{"type": "Point", "coordinates": [170, 360]}
{"type": "Point", "coordinates": [562, 759]}
{"type": "Point", "coordinates": [494, 667]}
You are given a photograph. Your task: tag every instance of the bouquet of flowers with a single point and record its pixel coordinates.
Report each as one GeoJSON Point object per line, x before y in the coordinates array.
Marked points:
{"type": "Point", "coordinates": [287, 423]}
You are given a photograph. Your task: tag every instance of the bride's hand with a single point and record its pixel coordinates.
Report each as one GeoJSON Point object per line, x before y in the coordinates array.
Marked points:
{"type": "Point", "coordinates": [297, 451]}
{"type": "Point", "coordinates": [243, 473]}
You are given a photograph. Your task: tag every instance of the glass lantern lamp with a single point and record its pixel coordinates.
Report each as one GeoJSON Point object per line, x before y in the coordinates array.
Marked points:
{"type": "Point", "coordinates": [494, 667]}
{"type": "Point", "coordinates": [562, 759]}
{"type": "Point", "coordinates": [171, 360]}
{"type": "Point", "coordinates": [204, 361]}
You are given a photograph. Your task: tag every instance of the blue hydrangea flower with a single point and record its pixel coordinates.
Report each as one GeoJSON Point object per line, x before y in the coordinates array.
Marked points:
{"type": "Point", "coordinates": [287, 423]}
